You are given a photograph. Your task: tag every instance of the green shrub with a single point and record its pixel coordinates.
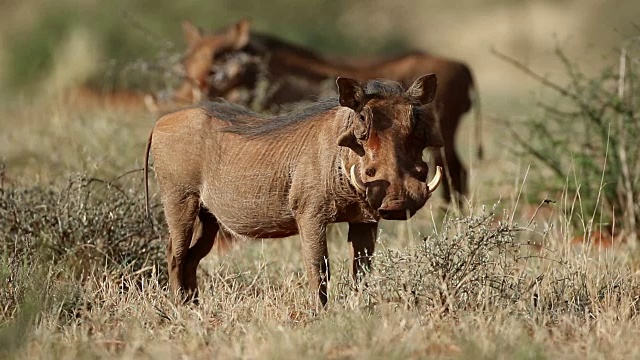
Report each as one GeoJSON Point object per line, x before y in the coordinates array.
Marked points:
{"type": "Point", "coordinates": [585, 143]}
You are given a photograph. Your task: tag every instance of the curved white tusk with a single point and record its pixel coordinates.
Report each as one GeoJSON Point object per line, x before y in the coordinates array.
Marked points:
{"type": "Point", "coordinates": [435, 182]}
{"type": "Point", "coordinates": [355, 181]}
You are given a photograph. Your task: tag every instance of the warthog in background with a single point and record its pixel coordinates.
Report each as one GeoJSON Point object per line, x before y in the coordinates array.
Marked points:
{"type": "Point", "coordinates": [212, 65]}
{"type": "Point", "coordinates": [355, 159]}
{"type": "Point", "coordinates": [203, 80]}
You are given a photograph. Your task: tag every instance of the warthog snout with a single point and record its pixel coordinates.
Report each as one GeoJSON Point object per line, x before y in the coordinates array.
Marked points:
{"type": "Point", "coordinates": [376, 192]}
{"type": "Point", "coordinates": [392, 207]}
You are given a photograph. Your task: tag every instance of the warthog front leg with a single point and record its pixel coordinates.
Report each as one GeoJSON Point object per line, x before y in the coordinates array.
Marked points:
{"type": "Point", "coordinates": [180, 212]}
{"type": "Point", "coordinates": [313, 235]}
{"type": "Point", "coordinates": [363, 240]}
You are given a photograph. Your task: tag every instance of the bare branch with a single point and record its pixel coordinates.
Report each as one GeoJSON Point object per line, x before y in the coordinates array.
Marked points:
{"type": "Point", "coordinates": [544, 81]}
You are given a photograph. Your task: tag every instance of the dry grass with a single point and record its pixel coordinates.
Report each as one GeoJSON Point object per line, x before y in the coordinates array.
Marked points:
{"type": "Point", "coordinates": [469, 291]}
{"type": "Point", "coordinates": [82, 273]}
{"type": "Point", "coordinates": [43, 143]}
{"type": "Point", "coordinates": [85, 277]}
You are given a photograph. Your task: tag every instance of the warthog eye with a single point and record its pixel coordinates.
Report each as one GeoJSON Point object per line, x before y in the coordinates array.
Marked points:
{"type": "Point", "coordinates": [362, 117]}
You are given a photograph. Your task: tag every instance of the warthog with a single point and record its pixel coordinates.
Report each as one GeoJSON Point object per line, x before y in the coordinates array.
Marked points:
{"type": "Point", "coordinates": [356, 158]}
{"type": "Point", "coordinates": [299, 74]}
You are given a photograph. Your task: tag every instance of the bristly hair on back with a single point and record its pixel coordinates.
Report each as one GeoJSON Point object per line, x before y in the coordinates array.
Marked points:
{"type": "Point", "coordinates": [382, 87]}
{"type": "Point", "coordinates": [245, 122]}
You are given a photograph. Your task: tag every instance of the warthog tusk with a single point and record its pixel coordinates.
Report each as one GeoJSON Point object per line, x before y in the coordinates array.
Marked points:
{"type": "Point", "coordinates": [435, 182]}
{"type": "Point", "coordinates": [356, 181]}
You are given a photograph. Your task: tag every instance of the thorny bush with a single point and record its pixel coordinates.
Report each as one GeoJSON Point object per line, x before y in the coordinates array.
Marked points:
{"type": "Point", "coordinates": [97, 231]}
{"type": "Point", "coordinates": [476, 264]}
{"type": "Point", "coordinates": [586, 140]}
{"type": "Point", "coordinates": [89, 222]}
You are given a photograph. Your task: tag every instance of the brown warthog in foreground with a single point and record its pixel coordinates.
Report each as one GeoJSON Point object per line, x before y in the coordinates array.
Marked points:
{"type": "Point", "coordinates": [355, 159]}
{"type": "Point", "coordinates": [294, 73]}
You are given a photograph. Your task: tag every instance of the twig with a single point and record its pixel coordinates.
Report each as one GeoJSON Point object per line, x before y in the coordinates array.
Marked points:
{"type": "Point", "coordinates": [530, 149]}
{"type": "Point", "coordinates": [622, 146]}
{"type": "Point", "coordinates": [545, 201]}
{"type": "Point", "coordinates": [513, 213]}
{"type": "Point", "coordinates": [544, 81]}
{"type": "Point", "coordinates": [520, 66]}
{"type": "Point", "coordinates": [2, 175]}
{"type": "Point", "coordinates": [552, 110]}
{"type": "Point", "coordinates": [146, 31]}
{"type": "Point", "coordinates": [108, 184]}
{"type": "Point", "coordinates": [117, 178]}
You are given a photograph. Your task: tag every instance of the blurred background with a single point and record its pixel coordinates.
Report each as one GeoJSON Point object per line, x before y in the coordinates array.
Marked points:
{"type": "Point", "coordinates": [82, 267]}
{"type": "Point", "coordinates": [46, 46]}
{"type": "Point", "coordinates": [49, 47]}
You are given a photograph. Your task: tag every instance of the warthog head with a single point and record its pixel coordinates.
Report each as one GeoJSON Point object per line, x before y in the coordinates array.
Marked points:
{"type": "Point", "coordinates": [212, 67]}
{"type": "Point", "coordinates": [388, 130]}
{"type": "Point", "coordinates": [204, 51]}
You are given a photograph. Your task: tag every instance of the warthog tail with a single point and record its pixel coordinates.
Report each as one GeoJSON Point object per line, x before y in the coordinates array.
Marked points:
{"type": "Point", "coordinates": [146, 175]}
{"type": "Point", "coordinates": [477, 114]}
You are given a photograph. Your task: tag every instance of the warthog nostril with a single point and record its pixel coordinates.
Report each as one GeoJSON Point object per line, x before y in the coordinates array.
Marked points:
{"type": "Point", "coordinates": [395, 210]}
{"type": "Point", "coordinates": [370, 172]}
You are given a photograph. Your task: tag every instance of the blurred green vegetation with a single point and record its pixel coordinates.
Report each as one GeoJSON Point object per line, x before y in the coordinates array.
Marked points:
{"type": "Point", "coordinates": [586, 141]}
{"type": "Point", "coordinates": [127, 31]}
{"type": "Point", "coordinates": [132, 42]}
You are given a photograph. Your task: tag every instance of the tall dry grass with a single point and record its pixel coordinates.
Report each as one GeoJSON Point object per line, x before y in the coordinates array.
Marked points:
{"type": "Point", "coordinates": [85, 278]}
{"type": "Point", "coordinates": [470, 289]}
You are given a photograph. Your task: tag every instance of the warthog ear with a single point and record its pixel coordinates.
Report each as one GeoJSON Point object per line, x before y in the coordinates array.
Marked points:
{"type": "Point", "coordinates": [239, 34]}
{"type": "Point", "coordinates": [192, 34]}
{"type": "Point", "coordinates": [348, 139]}
{"type": "Point", "coordinates": [423, 90]}
{"type": "Point", "coordinates": [351, 93]}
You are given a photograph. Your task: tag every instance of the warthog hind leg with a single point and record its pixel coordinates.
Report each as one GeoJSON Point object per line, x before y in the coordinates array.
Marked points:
{"type": "Point", "coordinates": [363, 240]}
{"type": "Point", "coordinates": [180, 212]}
{"type": "Point", "coordinates": [201, 245]}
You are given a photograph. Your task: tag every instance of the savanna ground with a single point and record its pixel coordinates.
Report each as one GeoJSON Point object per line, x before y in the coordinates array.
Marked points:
{"type": "Point", "coordinates": [82, 271]}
